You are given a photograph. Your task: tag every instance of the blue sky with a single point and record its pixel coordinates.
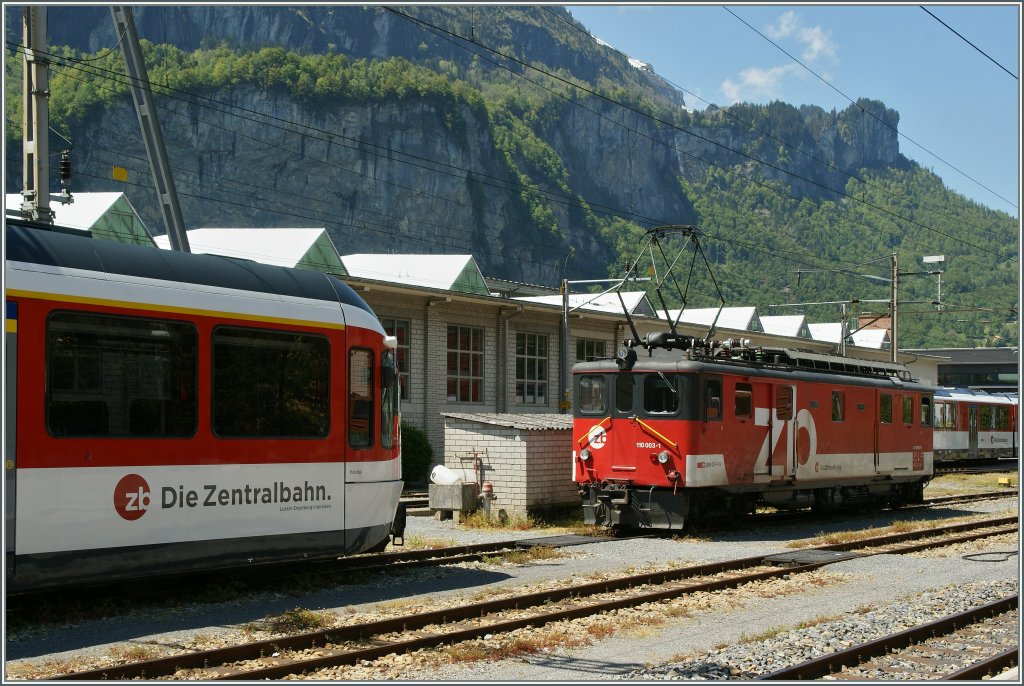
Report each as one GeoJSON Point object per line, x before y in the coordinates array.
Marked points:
{"type": "Point", "coordinates": [961, 108]}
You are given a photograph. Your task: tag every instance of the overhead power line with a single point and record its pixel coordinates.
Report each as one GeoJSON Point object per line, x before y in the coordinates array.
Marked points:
{"type": "Point", "coordinates": [969, 42]}
{"type": "Point", "coordinates": [791, 146]}
{"type": "Point", "coordinates": [364, 144]}
{"type": "Point", "coordinates": [681, 129]}
{"type": "Point", "coordinates": [871, 114]}
{"type": "Point", "coordinates": [376, 150]}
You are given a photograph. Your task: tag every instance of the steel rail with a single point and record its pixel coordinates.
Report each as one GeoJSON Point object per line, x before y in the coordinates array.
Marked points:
{"type": "Point", "coordinates": [857, 655]}
{"type": "Point", "coordinates": [989, 667]}
{"type": "Point", "coordinates": [363, 632]}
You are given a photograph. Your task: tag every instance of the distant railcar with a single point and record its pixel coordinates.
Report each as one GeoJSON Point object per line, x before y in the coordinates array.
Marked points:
{"type": "Point", "coordinates": [725, 428]}
{"type": "Point", "coordinates": [169, 412]}
{"type": "Point", "coordinates": [974, 425]}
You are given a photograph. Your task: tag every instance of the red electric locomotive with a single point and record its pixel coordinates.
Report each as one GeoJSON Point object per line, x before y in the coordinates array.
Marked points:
{"type": "Point", "coordinates": [168, 412]}
{"type": "Point", "coordinates": [723, 428]}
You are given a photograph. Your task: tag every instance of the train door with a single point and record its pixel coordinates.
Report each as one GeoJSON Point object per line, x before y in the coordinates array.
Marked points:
{"type": "Point", "coordinates": [10, 430]}
{"type": "Point", "coordinates": [972, 431]}
{"type": "Point", "coordinates": [884, 426]}
{"type": "Point", "coordinates": [784, 451]}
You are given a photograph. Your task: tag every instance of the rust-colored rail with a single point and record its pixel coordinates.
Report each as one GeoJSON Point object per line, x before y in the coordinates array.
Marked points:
{"type": "Point", "coordinates": [463, 623]}
{"type": "Point", "coordinates": [834, 663]}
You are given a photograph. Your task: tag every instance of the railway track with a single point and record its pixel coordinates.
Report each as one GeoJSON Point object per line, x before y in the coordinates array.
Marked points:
{"type": "Point", "coordinates": [971, 645]}
{"type": "Point", "coordinates": [273, 575]}
{"type": "Point", "coordinates": [355, 643]}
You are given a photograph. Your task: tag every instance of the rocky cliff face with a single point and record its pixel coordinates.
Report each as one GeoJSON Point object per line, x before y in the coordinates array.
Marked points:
{"type": "Point", "coordinates": [400, 177]}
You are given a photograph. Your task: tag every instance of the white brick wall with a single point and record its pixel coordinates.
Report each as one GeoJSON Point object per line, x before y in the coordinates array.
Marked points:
{"type": "Point", "coordinates": [529, 468]}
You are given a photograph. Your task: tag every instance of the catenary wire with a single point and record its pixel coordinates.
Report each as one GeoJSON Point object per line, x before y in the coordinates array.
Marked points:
{"type": "Point", "coordinates": [969, 42]}
{"type": "Point", "coordinates": [871, 114]}
{"type": "Point", "coordinates": [116, 76]}
{"type": "Point", "coordinates": [688, 132]}
{"type": "Point", "coordinates": [306, 156]}
{"type": "Point", "coordinates": [710, 235]}
{"type": "Point", "coordinates": [727, 113]}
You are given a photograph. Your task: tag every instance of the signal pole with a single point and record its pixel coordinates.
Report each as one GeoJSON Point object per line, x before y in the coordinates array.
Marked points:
{"type": "Point", "coordinates": [35, 118]}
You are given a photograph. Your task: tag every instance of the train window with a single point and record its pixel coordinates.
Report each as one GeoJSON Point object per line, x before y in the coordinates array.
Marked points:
{"type": "Point", "coordinates": [885, 408]}
{"type": "Point", "coordinates": [660, 395]}
{"type": "Point", "coordinates": [120, 376]}
{"type": "Point", "coordinates": [784, 402]}
{"type": "Point", "coordinates": [270, 384]}
{"type": "Point", "coordinates": [838, 406]}
{"type": "Point", "coordinates": [985, 417]}
{"type": "Point", "coordinates": [744, 401]}
{"type": "Point", "coordinates": [591, 395]}
{"type": "Point", "coordinates": [712, 400]}
{"type": "Point", "coordinates": [1002, 418]}
{"type": "Point", "coordinates": [360, 398]}
{"type": "Point", "coordinates": [926, 411]}
{"type": "Point", "coordinates": [389, 390]}
{"type": "Point", "coordinates": [624, 382]}
{"type": "Point", "coordinates": [908, 410]}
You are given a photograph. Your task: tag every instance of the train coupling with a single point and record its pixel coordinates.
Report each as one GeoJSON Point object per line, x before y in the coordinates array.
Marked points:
{"type": "Point", "coordinates": [398, 526]}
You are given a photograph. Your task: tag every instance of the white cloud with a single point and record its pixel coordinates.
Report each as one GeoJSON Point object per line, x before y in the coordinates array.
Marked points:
{"type": "Point", "coordinates": [784, 26]}
{"type": "Point", "coordinates": [815, 40]}
{"type": "Point", "coordinates": [756, 84]}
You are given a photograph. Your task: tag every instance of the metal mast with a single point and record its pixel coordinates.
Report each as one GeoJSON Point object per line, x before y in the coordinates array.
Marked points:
{"type": "Point", "coordinates": [35, 119]}
{"type": "Point", "coordinates": [159, 165]}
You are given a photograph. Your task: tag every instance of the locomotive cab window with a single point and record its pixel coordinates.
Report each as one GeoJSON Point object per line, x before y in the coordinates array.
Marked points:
{"type": "Point", "coordinates": [908, 410]}
{"type": "Point", "coordinates": [744, 401]}
{"type": "Point", "coordinates": [926, 411]}
{"type": "Point", "coordinates": [712, 400]}
{"type": "Point", "coordinates": [120, 376]}
{"type": "Point", "coordinates": [360, 398]}
{"type": "Point", "coordinates": [389, 394]}
{"type": "Point", "coordinates": [660, 395]}
{"type": "Point", "coordinates": [270, 384]}
{"type": "Point", "coordinates": [624, 382]}
{"type": "Point", "coordinates": [591, 395]}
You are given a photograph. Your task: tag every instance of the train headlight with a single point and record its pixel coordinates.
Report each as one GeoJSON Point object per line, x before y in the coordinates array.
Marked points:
{"type": "Point", "coordinates": [663, 457]}
{"type": "Point", "coordinates": [585, 455]}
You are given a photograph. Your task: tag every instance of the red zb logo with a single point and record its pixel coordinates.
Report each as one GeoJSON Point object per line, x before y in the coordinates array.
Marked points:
{"type": "Point", "coordinates": [131, 497]}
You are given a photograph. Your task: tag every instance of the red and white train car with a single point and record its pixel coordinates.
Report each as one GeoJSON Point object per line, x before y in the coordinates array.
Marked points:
{"type": "Point", "coordinates": [660, 441]}
{"type": "Point", "coordinates": [168, 412]}
{"type": "Point", "coordinates": [974, 425]}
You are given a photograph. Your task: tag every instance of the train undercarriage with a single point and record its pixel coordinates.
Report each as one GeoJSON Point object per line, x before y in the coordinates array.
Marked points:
{"type": "Point", "coordinates": [624, 507]}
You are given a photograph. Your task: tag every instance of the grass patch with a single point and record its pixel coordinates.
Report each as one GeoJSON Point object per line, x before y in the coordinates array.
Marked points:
{"type": "Point", "coordinates": [517, 522]}
{"type": "Point", "coordinates": [522, 556]}
{"type": "Point", "coordinates": [955, 484]}
{"type": "Point", "coordinates": [419, 542]}
{"type": "Point", "coordinates": [294, 621]}
{"type": "Point", "coordinates": [134, 652]}
{"type": "Point", "coordinates": [897, 527]}
{"type": "Point", "coordinates": [558, 521]}
{"type": "Point", "coordinates": [762, 636]}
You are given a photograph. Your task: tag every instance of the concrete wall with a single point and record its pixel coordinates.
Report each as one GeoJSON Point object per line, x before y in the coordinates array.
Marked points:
{"type": "Point", "coordinates": [529, 469]}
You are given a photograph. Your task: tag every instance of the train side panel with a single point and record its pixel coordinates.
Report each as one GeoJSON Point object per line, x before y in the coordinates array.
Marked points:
{"type": "Point", "coordinates": [158, 435]}
{"type": "Point", "coordinates": [675, 434]}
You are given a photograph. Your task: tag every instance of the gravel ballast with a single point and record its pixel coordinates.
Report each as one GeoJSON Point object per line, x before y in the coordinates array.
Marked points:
{"type": "Point", "coordinates": [713, 639]}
